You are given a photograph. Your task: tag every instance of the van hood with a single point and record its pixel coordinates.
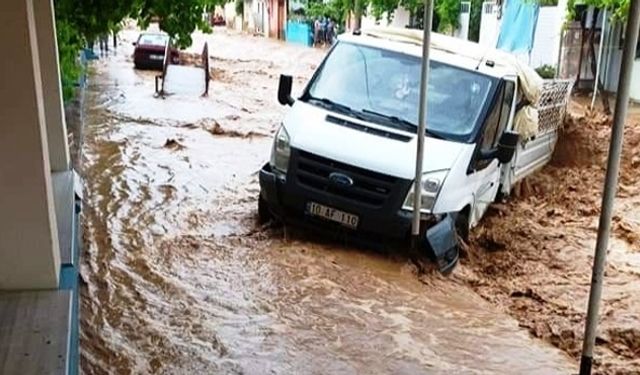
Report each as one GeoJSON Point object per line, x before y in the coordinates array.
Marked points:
{"type": "Point", "coordinates": [309, 130]}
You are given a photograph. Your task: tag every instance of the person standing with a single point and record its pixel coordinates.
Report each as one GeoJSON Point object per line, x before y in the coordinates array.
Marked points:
{"type": "Point", "coordinates": [317, 31]}
{"type": "Point", "coordinates": [323, 26]}
{"type": "Point", "coordinates": [330, 31]}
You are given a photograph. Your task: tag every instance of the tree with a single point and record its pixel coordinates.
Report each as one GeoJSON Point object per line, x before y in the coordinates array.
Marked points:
{"type": "Point", "coordinates": [79, 22]}
{"type": "Point", "coordinates": [446, 14]}
{"type": "Point", "coordinates": [474, 20]}
{"type": "Point", "coordinates": [619, 9]}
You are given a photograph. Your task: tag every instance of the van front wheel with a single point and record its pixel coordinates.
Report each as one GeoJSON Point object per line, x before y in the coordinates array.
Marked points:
{"type": "Point", "coordinates": [462, 225]}
{"type": "Point", "coordinates": [264, 214]}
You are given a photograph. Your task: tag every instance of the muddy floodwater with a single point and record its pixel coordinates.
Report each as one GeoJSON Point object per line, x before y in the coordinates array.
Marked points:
{"type": "Point", "coordinates": [180, 279]}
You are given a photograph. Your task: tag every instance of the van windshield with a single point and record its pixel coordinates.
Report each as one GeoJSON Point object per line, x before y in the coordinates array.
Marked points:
{"type": "Point", "coordinates": [384, 87]}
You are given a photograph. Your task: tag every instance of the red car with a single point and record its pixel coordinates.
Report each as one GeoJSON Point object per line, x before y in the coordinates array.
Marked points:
{"type": "Point", "coordinates": [149, 51]}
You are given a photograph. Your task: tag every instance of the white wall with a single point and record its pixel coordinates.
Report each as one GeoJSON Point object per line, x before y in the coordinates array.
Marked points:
{"type": "Point", "coordinates": [489, 24]}
{"type": "Point", "coordinates": [635, 81]}
{"type": "Point", "coordinates": [29, 249]}
{"type": "Point", "coordinates": [465, 12]}
{"type": "Point", "coordinates": [546, 45]}
{"type": "Point", "coordinates": [233, 21]}
{"type": "Point", "coordinates": [50, 75]}
{"type": "Point", "coordinates": [401, 18]}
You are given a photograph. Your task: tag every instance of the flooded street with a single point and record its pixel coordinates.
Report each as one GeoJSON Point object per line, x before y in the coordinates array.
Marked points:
{"type": "Point", "coordinates": [181, 279]}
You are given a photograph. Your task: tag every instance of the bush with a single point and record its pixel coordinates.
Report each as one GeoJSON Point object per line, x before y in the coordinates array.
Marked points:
{"type": "Point", "coordinates": [70, 42]}
{"type": "Point", "coordinates": [546, 71]}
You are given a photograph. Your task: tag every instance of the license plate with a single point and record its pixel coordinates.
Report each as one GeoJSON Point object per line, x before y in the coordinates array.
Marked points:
{"type": "Point", "coordinates": [332, 214]}
{"type": "Point", "coordinates": [156, 57]}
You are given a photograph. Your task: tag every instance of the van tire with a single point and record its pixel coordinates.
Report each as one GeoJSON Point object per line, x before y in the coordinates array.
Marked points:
{"type": "Point", "coordinates": [264, 214]}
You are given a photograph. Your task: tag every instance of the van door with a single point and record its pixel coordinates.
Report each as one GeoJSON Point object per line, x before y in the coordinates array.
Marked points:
{"type": "Point", "coordinates": [533, 153]}
{"type": "Point", "coordinates": [485, 173]}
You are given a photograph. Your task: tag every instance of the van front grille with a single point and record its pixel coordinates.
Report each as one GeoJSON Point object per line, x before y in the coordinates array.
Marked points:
{"type": "Point", "coordinates": [367, 187]}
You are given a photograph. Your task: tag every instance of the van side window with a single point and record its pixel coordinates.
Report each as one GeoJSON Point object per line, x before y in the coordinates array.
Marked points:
{"type": "Point", "coordinates": [491, 126]}
{"type": "Point", "coordinates": [505, 113]}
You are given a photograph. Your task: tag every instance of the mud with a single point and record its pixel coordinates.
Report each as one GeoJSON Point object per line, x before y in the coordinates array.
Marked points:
{"type": "Point", "coordinates": [180, 278]}
{"type": "Point", "coordinates": [533, 254]}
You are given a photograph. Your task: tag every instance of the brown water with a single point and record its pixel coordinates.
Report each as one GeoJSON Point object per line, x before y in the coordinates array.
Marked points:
{"type": "Point", "coordinates": [180, 279]}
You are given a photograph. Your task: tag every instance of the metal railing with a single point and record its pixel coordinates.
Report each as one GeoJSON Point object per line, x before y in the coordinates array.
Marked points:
{"type": "Point", "coordinates": [553, 103]}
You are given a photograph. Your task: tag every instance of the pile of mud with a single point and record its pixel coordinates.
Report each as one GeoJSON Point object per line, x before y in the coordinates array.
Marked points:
{"type": "Point", "coordinates": [532, 255]}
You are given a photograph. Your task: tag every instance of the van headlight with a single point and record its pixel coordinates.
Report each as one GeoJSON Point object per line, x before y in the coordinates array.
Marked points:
{"type": "Point", "coordinates": [281, 151]}
{"type": "Point", "coordinates": [431, 185]}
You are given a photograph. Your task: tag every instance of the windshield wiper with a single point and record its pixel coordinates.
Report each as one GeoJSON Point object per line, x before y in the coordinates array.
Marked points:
{"type": "Point", "coordinates": [403, 124]}
{"type": "Point", "coordinates": [335, 106]}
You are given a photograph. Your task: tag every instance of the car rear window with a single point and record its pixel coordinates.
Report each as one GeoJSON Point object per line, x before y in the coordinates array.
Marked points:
{"type": "Point", "coordinates": [153, 39]}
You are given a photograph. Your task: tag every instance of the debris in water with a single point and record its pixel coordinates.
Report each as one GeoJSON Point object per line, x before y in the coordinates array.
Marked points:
{"type": "Point", "coordinates": [627, 231]}
{"type": "Point", "coordinates": [174, 145]}
{"type": "Point", "coordinates": [217, 129]}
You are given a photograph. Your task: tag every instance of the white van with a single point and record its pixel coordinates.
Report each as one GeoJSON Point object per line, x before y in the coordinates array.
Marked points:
{"type": "Point", "coordinates": [344, 156]}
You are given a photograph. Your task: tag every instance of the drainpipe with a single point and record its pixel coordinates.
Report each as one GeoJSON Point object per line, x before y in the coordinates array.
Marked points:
{"type": "Point", "coordinates": [422, 125]}
{"type": "Point", "coordinates": [610, 186]}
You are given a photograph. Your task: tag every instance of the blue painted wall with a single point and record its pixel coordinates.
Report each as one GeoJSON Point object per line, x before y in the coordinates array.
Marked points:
{"type": "Point", "coordinates": [299, 32]}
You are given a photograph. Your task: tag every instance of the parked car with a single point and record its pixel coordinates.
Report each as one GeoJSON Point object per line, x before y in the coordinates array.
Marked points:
{"type": "Point", "coordinates": [150, 50]}
{"type": "Point", "coordinates": [344, 157]}
{"type": "Point", "coordinates": [217, 20]}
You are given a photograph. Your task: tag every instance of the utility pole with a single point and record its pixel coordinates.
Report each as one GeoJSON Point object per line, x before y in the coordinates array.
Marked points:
{"type": "Point", "coordinates": [422, 124]}
{"type": "Point", "coordinates": [610, 186]}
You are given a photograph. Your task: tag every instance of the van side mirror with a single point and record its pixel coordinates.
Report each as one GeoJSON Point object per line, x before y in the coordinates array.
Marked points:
{"type": "Point", "coordinates": [284, 90]}
{"type": "Point", "coordinates": [507, 146]}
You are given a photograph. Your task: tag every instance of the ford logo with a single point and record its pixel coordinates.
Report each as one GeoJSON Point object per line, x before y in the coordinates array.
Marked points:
{"type": "Point", "coordinates": [340, 179]}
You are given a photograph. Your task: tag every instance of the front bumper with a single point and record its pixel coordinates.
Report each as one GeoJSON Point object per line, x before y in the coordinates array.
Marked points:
{"type": "Point", "coordinates": [287, 202]}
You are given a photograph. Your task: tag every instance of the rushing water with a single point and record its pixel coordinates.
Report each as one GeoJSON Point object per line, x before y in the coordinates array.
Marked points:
{"type": "Point", "coordinates": [181, 279]}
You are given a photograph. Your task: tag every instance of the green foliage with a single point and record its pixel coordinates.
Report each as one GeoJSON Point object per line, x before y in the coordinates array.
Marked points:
{"type": "Point", "coordinates": [337, 10]}
{"type": "Point", "coordinates": [69, 43]}
{"type": "Point", "coordinates": [546, 71]}
{"type": "Point", "coordinates": [474, 20]}
{"type": "Point", "coordinates": [177, 18]}
{"type": "Point", "coordinates": [80, 22]}
{"type": "Point", "coordinates": [448, 12]}
{"type": "Point", "coordinates": [618, 9]}
{"type": "Point", "coordinates": [381, 7]}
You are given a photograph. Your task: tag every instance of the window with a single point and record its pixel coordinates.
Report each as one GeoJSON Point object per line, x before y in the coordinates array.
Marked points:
{"type": "Point", "coordinates": [491, 127]}
{"type": "Point", "coordinates": [499, 117]}
{"type": "Point", "coordinates": [367, 79]}
{"type": "Point", "coordinates": [505, 113]}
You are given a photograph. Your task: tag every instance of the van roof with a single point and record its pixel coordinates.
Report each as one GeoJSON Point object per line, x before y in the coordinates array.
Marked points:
{"type": "Point", "coordinates": [445, 49]}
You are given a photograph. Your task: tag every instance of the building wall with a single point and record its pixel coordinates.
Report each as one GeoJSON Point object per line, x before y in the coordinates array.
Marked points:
{"type": "Point", "coordinates": [29, 247]}
{"type": "Point", "coordinates": [465, 14]}
{"type": "Point", "coordinates": [277, 14]}
{"type": "Point", "coordinates": [231, 18]}
{"type": "Point", "coordinates": [546, 45]}
{"type": "Point", "coordinates": [489, 24]}
{"type": "Point", "coordinates": [635, 81]}
{"type": "Point", "coordinates": [400, 18]}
